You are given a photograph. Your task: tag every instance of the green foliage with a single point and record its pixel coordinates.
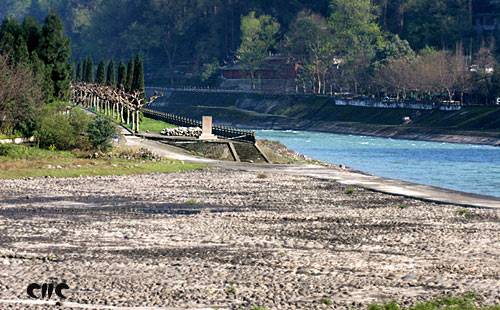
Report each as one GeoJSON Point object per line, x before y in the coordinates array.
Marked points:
{"type": "Point", "coordinates": [258, 37]}
{"type": "Point", "coordinates": [20, 161]}
{"type": "Point", "coordinates": [24, 152]}
{"type": "Point", "coordinates": [101, 74]}
{"type": "Point", "coordinates": [122, 75]}
{"type": "Point", "coordinates": [394, 48]}
{"type": "Point", "coordinates": [153, 125]}
{"type": "Point", "coordinates": [111, 74]}
{"type": "Point", "coordinates": [89, 70]}
{"type": "Point", "coordinates": [54, 50]}
{"type": "Point", "coordinates": [138, 77]}
{"type": "Point", "coordinates": [62, 127]}
{"type": "Point", "coordinates": [79, 72]}
{"type": "Point", "coordinates": [466, 302]}
{"type": "Point", "coordinates": [210, 71]}
{"type": "Point", "coordinates": [130, 75]}
{"type": "Point", "coordinates": [388, 306]}
{"type": "Point", "coordinates": [100, 132]}
{"type": "Point", "coordinates": [327, 301]}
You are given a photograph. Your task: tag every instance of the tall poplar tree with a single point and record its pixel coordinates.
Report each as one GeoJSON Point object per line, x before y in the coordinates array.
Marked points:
{"type": "Point", "coordinates": [79, 72]}
{"type": "Point", "coordinates": [111, 74]}
{"type": "Point", "coordinates": [130, 75]}
{"type": "Point", "coordinates": [89, 70]}
{"type": "Point", "coordinates": [138, 81]}
{"type": "Point", "coordinates": [101, 73]}
{"type": "Point", "coordinates": [122, 75]}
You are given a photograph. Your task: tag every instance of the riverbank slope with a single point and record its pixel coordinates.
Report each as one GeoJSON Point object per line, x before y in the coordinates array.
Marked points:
{"type": "Point", "coordinates": [474, 125]}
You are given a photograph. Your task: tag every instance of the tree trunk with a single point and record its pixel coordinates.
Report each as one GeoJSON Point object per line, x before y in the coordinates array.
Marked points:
{"type": "Point", "coordinates": [138, 120]}
{"type": "Point", "coordinates": [133, 122]}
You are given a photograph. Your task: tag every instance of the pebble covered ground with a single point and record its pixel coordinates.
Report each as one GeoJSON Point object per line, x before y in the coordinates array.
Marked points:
{"type": "Point", "coordinates": [235, 240]}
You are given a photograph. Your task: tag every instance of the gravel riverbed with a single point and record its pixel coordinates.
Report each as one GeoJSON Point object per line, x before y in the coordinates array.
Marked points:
{"type": "Point", "coordinates": [234, 240]}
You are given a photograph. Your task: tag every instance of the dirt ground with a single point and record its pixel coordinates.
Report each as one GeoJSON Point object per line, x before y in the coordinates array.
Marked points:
{"type": "Point", "coordinates": [225, 239]}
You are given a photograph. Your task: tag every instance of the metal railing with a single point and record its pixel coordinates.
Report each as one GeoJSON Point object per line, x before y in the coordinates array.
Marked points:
{"type": "Point", "coordinates": [220, 131]}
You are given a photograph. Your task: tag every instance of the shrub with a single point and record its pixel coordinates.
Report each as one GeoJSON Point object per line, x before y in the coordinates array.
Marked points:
{"type": "Point", "coordinates": [100, 132]}
{"type": "Point", "coordinates": [61, 128]}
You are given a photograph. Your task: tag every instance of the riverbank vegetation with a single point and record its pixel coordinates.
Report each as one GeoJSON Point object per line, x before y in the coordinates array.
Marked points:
{"type": "Point", "coordinates": [20, 161]}
{"type": "Point", "coordinates": [153, 125]}
{"type": "Point", "coordinates": [466, 302]}
{"type": "Point", "coordinates": [34, 71]}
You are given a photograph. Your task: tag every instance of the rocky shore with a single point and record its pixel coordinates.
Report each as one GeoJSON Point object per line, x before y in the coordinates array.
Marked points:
{"type": "Point", "coordinates": [276, 241]}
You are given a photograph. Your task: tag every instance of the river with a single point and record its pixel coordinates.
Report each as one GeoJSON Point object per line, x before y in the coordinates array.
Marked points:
{"type": "Point", "coordinates": [462, 167]}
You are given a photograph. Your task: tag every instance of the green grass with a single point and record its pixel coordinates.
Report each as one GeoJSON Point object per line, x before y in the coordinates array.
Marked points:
{"type": "Point", "coordinates": [154, 126]}
{"type": "Point", "coordinates": [17, 161]}
{"type": "Point", "coordinates": [327, 301]}
{"type": "Point", "coordinates": [349, 190]}
{"type": "Point", "coordinates": [3, 136]}
{"type": "Point", "coordinates": [466, 302]}
{"type": "Point", "coordinates": [465, 213]}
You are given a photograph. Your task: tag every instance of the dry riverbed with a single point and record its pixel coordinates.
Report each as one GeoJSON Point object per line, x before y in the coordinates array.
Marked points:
{"type": "Point", "coordinates": [222, 239]}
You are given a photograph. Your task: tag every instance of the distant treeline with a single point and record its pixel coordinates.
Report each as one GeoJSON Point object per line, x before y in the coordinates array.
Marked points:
{"type": "Point", "coordinates": [182, 36]}
{"type": "Point", "coordinates": [128, 77]}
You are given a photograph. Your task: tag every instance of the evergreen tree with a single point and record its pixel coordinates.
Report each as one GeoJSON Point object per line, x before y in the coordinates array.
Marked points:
{"type": "Point", "coordinates": [130, 75]}
{"type": "Point", "coordinates": [84, 70]}
{"type": "Point", "coordinates": [32, 33]}
{"type": "Point", "coordinates": [79, 72]}
{"type": "Point", "coordinates": [138, 80]}
{"type": "Point", "coordinates": [89, 70]}
{"type": "Point", "coordinates": [101, 73]}
{"type": "Point", "coordinates": [43, 74]}
{"type": "Point", "coordinates": [54, 50]}
{"type": "Point", "coordinates": [73, 71]}
{"type": "Point", "coordinates": [122, 75]}
{"type": "Point", "coordinates": [111, 74]}
{"type": "Point", "coordinates": [12, 42]}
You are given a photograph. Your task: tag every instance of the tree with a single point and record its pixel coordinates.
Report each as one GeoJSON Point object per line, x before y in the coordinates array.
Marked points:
{"type": "Point", "coordinates": [258, 37]}
{"type": "Point", "coordinates": [89, 70]}
{"type": "Point", "coordinates": [79, 72]}
{"type": "Point", "coordinates": [54, 50]}
{"type": "Point", "coordinates": [138, 80]}
{"type": "Point", "coordinates": [357, 36]}
{"type": "Point", "coordinates": [311, 44]}
{"type": "Point", "coordinates": [32, 32]}
{"type": "Point", "coordinates": [20, 98]}
{"type": "Point", "coordinates": [111, 74]}
{"type": "Point", "coordinates": [130, 75]}
{"type": "Point", "coordinates": [12, 41]}
{"type": "Point", "coordinates": [122, 75]}
{"type": "Point", "coordinates": [101, 73]}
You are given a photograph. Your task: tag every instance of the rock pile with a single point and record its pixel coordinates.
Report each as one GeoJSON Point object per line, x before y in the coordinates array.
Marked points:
{"type": "Point", "coordinates": [182, 132]}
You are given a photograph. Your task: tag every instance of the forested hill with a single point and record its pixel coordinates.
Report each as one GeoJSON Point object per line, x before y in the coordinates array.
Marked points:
{"type": "Point", "coordinates": [191, 34]}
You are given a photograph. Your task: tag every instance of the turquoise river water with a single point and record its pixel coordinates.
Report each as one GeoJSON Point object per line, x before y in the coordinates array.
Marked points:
{"type": "Point", "coordinates": [463, 167]}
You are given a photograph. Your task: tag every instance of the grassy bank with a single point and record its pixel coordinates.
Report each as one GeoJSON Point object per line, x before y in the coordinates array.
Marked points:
{"type": "Point", "coordinates": [153, 125]}
{"type": "Point", "coordinates": [467, 302]}
{"type": "Point", "coordinates": [19, 161]}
